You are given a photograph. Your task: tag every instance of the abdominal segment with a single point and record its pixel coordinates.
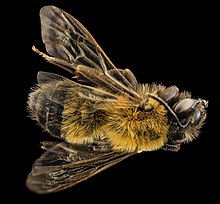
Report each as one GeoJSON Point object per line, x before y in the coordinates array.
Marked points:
{"type": "Point", "coordinates": [45, 105]}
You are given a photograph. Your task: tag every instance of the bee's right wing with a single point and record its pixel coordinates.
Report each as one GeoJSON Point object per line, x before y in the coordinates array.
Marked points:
{"type": "Point", "coordinates": [64, 165]}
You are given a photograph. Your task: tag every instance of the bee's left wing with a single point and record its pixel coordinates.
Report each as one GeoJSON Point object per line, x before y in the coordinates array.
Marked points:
{"type": "Point", "coordinates": [73, 48]}
{"type": "Point", "coordinates": [64, 165]}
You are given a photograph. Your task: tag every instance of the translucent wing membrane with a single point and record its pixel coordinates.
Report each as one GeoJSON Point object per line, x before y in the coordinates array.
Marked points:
{"type": "Point", "coordinates": [74, 49]}
{"type": "Point", "coordinates": [64, 165]}
{"type": "Point", "coordinates": [66, 38]}
{"type": "Point", "coordinates": [58, 89]}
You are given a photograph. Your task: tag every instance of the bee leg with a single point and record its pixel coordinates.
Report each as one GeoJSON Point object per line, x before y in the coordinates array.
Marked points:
{"type": "Point", "coordinates": [169, 93]}
{"type": "Point", "coordinates": [175, 142]}
{"type": "Point", "coordinates": [70, 67]}
{"type": "Point", "coordinates": [47, 144]}
{"type": "Point", "coordinates": [171, 147]}
{"type": "Point", "coordinates": [101, 145]}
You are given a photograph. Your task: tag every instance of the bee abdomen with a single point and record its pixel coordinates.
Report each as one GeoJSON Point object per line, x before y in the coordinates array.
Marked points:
{"type": "Point", "coordinates": [47, 109]}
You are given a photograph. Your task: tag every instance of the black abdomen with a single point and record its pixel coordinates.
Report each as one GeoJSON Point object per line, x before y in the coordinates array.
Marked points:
{"type": "Point", "coordinates": [46, 104]}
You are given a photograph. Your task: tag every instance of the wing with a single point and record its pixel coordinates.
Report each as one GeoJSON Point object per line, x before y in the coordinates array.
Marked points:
{"type": "Point", "coordinates": [60, 90]}
{"type": "Point", "coordinates": [67, 39]}
{"type": "Point", "coordinates": [64, 165]}
{"type": "Point", "coordinates": [72, 47]}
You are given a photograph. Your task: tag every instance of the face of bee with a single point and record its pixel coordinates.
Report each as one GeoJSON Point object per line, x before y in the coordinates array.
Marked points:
{"type": "Point", "coordinates": [191, 114]}
{"type": "Point", "coordinates": [102, 115]}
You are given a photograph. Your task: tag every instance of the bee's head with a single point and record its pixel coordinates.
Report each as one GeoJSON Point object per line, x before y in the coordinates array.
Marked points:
{"type": "Point", "coordinates": [186, 116]}
{"type": "Point", "coordinates": [191, 114]}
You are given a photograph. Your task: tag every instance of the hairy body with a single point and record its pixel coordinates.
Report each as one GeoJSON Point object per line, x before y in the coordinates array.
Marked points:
{"type": "Point", "coordinates": [102, 114]}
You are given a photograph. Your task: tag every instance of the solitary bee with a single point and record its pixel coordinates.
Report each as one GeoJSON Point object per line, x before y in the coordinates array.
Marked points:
{"type": "Point", "coordinates": [102, 114]}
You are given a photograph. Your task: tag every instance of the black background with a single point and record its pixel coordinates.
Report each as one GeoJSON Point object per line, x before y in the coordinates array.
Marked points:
{"type": "Point", "coordinates": [172, 44]}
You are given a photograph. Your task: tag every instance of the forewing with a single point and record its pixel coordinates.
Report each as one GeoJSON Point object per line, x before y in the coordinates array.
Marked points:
{"type": "Point", "coordinates": [67, 39]}
{"type": "Point", "coordinates": [64, 165]}
{"type": "Point", "coordinates": [74, 49]}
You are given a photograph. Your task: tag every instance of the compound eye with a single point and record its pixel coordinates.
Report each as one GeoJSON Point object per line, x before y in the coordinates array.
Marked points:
{"type": "Point", "coordinates": [196, 117]}
{"type": "Point", "coordinates": [184, 105]}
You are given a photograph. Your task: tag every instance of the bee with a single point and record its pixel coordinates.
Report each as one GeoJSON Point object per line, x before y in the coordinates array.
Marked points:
{"type": "Point", "coordinates": [101, 114]}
